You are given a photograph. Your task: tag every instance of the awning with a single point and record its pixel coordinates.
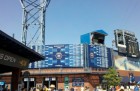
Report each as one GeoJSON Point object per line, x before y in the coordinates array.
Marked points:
{"type": "Point", "coordinates": [12, 45]}
{"type": "Point", "coordinates": [15, 55]}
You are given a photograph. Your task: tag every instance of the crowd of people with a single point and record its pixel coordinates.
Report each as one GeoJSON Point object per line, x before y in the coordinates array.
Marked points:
{"type": "Point", "coordinates": [39, 88]}
{"type": "Point", "coordinates": [135, 87]}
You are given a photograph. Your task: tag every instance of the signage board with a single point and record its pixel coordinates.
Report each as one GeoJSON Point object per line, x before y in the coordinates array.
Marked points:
{"type": "Point", "coordinates": [66, 83]}
{"type": "Point", "coordinates": [2, 83]}
{"type": "Point", "coordinates": [99, 56]}
{"type": "Point", "coordinates": [132, 48]}
{"type": "Point", "coordinates": [61, 55]}
{"type": "Point", "coordinates": [78, 82]}
{"type": "Point", "coordinates": [9, 59]}
{"type": "Point", "coordinates": [126, 42]}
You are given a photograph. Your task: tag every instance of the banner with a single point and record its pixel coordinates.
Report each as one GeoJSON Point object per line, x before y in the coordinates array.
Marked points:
{"type": "Point", "coordinates": [99, 56]}
{"type": "Point", "coordinates": [9, 59]}
{"type": "Point", "coordinates": [78, 82]}
{"type": "Point", "coordinates": [126, 63]}
{"type": "Point", "coordinates": [61, 55]}
{"type": "Point", "coordinates": [66, 83]}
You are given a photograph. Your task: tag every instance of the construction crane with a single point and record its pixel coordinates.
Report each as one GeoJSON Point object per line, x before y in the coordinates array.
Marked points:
{"type": "Point", "coordinates": [33, 24]}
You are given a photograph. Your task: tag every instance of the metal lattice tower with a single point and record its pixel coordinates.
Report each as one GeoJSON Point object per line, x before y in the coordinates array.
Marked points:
{"type": "Point", "coordinates": [33, 24]}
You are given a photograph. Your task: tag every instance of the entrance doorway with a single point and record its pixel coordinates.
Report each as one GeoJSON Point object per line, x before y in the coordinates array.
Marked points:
{"type": "Point", "coordinates": [29, 82]}
{"type": "Point", "coordinates": [48, 81]}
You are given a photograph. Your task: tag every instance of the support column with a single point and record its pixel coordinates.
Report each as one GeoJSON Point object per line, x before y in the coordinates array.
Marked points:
{"type": "Point", "coordinates": [15, 79]}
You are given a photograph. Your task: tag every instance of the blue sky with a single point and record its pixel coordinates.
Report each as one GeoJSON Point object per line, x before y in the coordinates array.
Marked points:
{"type": "Point", "coordinates": [66, 20]}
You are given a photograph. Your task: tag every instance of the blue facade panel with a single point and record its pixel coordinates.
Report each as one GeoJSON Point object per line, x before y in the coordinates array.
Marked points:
{"type": "Point", "coordinates": [110, 56]}
{"type": "Point", "coordinates": [71, 55]}
{"type": "Point", "coordinates": [85, 39]}
{"type": "Point", "coordinates": [61, 55]}
{"type": "Point", "coordinates": [92, 37]}
{"type": "Point", "coordinates": [99, 56]}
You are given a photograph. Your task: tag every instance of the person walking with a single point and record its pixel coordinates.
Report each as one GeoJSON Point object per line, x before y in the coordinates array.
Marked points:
{"type": "Point", "coordinates": [82, 88]}
{"type": "Point", "coordinates": [136, 88]}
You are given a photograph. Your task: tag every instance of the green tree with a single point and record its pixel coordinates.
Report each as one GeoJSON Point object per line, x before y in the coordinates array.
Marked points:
{"type": "Point", "coordinates": [112, 77]}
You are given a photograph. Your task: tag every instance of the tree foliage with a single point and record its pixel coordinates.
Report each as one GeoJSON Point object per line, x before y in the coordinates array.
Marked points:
{"type": "Point", "coordinates": [112, 77]}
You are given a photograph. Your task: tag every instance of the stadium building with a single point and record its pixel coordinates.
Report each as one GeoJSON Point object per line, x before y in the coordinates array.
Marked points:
{"type": "Point", "coordinates": [81, 65]}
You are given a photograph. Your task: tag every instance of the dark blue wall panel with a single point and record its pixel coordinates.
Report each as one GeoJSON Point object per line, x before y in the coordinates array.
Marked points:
{"type": "Point", "coordinates": [99, 56]}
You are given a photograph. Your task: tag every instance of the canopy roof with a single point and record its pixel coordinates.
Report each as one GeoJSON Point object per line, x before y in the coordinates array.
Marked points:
{"type": "Point", "coordinates": [13, 46]}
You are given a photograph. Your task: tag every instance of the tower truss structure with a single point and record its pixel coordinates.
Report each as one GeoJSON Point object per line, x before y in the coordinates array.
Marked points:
{"type": "Point", "coordinates": [33, 24]}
